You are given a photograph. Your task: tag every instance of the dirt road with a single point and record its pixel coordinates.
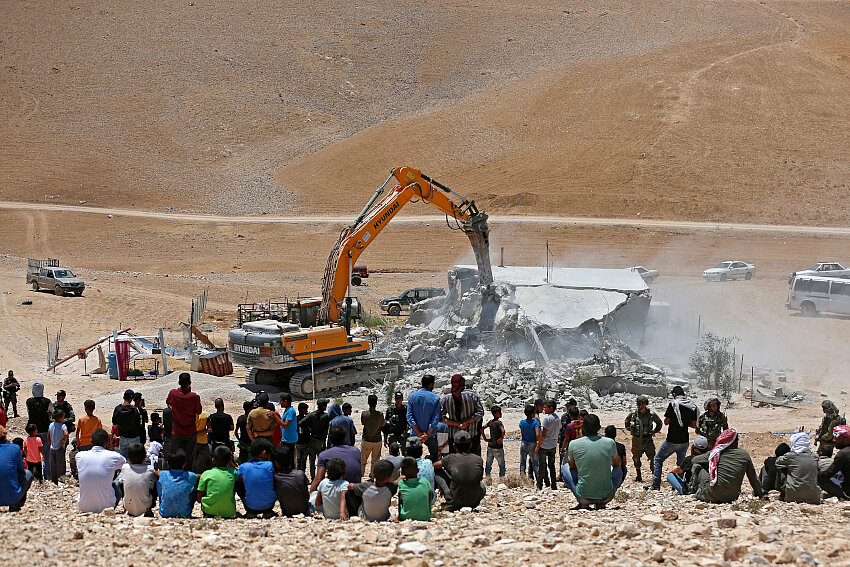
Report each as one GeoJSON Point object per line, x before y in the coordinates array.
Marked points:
{"type": "Point", "coordinates": [690, 226]}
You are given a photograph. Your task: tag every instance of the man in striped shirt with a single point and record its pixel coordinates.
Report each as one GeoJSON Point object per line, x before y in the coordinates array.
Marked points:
{"type": "Point", "coordinates": [461, 410]}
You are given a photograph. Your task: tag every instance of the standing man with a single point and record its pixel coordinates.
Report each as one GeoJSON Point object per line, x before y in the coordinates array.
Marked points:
{"type": "Point", "coordinates": [139, 402]}
{"type": "Point", "coordinates": [643, 423]}
{"type": "Point", "coordinates": [461, 410]}
{"type": "Point", "coordinates": [396, 429]}
{"type": "Point", "coordinates": [423, 415]}
{"type": "Point", "coordinates": [372, 421]}
{"type": "Point", "coordinates": [289, 424]}
{"type": "Point", "coordinates": [681, 414]}
{"type": "Point", "coordinates": [831, 419]}
{"type": "Point", "coordinates": [129, 422]}
{"type": "Point", "coordinates": [302, 448]}
{"type": "Point", "coordinates": [547, 446]}
{"type": "Point", "coordinates": [220, 425]}
{"type": "Point", "coordinates": [319, 422]}
{"type": "Point", "coordinates": [185, 408]}
{"type": "Point", "coordinates": [39, 413]}
{"type": "Point", "coordinates": [10, 393]}
{"type": "Point", "coordinates": [713, 422]}
{"type": "Point", "coordinates": [62, 404]}
{"type": "Point", "coordinates": [341, 417]}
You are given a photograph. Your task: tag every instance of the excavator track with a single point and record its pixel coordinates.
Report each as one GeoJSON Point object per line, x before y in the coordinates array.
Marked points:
{"type": "Point", "coordinates": [343, 375]}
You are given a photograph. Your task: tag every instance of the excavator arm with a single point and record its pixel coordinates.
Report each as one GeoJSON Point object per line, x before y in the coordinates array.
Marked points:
{"type": "Point", "coordinates": [378, 212]}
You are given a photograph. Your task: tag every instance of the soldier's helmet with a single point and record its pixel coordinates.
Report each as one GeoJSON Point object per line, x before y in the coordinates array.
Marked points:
{"type": "Point", "coordinates": [642, 400]}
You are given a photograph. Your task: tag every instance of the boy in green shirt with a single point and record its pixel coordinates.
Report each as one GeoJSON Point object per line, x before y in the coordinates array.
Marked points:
{"type": "Point", "coordinates": [415, 495]}
{"type": "Point", "coordinates": [216, 488]}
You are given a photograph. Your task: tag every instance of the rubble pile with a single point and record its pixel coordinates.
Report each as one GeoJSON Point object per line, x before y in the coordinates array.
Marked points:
{"type": "Point", "coordinates": [511, 353]}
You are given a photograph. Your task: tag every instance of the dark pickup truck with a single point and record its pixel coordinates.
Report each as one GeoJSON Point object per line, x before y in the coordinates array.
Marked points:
{"type": "Point", "coordinates": [395, 305]}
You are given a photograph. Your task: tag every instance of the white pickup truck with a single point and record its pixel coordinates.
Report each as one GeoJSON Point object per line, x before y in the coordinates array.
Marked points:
{"type": "Point", "coordinates": [823, 269]}
{"type": "Point", "coordinates": [647, 275]}
{"type": "Point", "coordinates": [49, 275]}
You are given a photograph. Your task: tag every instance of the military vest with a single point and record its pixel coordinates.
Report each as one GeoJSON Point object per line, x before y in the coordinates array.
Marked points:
{"type": "Point", "coordinates": [641, 424]}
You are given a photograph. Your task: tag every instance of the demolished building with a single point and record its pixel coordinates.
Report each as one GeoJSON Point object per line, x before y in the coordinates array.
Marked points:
{"type": "Point", "coordinates": [531, 333]}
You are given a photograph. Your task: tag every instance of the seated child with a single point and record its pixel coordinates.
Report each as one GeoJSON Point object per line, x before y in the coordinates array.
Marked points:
{"type": "Point", "coordinates": [290, 484]}
{"type": "Point", "coordinates": [329, 498]}
{"type": "Point", "coordinates": [176, 488]}
{"type": "Point", "coordinates": [137, 482]}
{"type": "Point", "coordinates": [415, 495]}
{"type": "Point", "coordinates": [371, 501]}
{"type": "Point", "coordinates": [216, 487]}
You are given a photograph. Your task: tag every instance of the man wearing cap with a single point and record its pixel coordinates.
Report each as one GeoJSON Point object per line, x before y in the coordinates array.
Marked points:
{"type": "Point", "coordinates": [840, 464]}
{"type": "Point", "coordinates": [681, 414]}
{"type": "Point", "coordinates": [185, 408]}
{"type": "Point", "coordinates": [718, 475]}
{"type": "Point", "coordinates": [40, 414]}
{"type": "Point", "coordinates": [397, 429]}
{"type": "Point", "coordinates": [643, 423]}
{"type": "Point", "coordinates": [126, 416]}
{"type": "Point", "coordinates": [831, 419]}
{"type": "Point", "coordinates": [10, 393]}
{"type": "Point", "coordinates": [681, 478]}
{"type": "Point", "coordinates": [465, 471]}
{"type": "Point", "coordinates": [62, 404]}
{"type": "Point", "coordinates": [423, 414]}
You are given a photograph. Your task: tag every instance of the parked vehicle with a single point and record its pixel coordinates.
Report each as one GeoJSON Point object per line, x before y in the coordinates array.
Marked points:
{"type": "Point", "coordinates": [730, 270]}
{"type": "Point", "coordinates": [824, 269]}
{"type": "Point", "coordinates": [814, 294]}
{"type": "Point", "coordinates": [647, 275]}
{"type": "Point", "coordinates": [49, 275]}
{"type": "Point", "coordinates": [395, 305]}
{"type": "Point", "coordinates": [359, 272]}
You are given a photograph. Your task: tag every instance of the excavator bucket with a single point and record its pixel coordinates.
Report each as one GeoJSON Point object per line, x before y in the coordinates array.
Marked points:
{"type": "Point", "coordinates": [478, 232]}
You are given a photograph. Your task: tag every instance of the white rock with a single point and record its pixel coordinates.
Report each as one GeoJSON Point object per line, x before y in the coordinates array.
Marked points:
{"type": "Point", "coordinates": [652, 520]}
{"type": "Point", "coordinates": [412, 547]}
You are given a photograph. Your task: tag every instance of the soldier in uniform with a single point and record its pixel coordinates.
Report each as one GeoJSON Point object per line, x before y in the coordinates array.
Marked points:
{"type": "Point", "coordinates": [712, 423]}
{"type": "Point", "coordinates": [10, 393]}
{"type": "Point", "coordinates": [396, 429]}
{"type": "Point", "coordinates": [831, 419]}
{"type": "Point", "coordinates": [640, 423]}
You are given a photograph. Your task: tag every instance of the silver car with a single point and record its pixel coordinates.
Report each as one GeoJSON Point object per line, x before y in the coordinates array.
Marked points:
{"type": "Point", "coordinates": [730, 270]}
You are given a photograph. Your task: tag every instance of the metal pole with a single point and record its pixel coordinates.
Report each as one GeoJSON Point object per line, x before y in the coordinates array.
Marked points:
{"type": "Point", "coordinates": [502, 261]}
{"type": "Point", "coordinates": [162, 351]}
{"type": "Point", "coordinates": [699, 325]}
{"type": "Point", "coordinates": [752, 386]}
{"type": "Point", "coordinates": [313, 376]}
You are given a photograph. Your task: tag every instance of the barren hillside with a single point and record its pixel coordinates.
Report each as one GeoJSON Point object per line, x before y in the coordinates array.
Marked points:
{"type": "Point", "coordinates": [692, 110]}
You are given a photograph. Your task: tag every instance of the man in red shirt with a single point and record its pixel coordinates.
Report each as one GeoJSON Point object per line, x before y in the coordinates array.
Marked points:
{"type": "Point", "coordinates": [185, 408]}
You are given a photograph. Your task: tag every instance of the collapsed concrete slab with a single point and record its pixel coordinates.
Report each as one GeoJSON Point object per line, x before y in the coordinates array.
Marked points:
{"type": "Point", "coordinates": [523, 337]}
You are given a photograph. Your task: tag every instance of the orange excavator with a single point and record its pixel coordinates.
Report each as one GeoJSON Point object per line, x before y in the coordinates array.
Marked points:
{"type": "Point", "coordinates": [313, 352]}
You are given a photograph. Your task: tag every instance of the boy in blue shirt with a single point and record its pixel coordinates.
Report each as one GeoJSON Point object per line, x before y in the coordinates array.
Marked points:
{"type": "Point", "coordinates": [255, 481]}
{"type": "Point", "coordinates": [530, 429]}
{"type": "Point", "coordinates": [176, 487]}
{"type": "Point", "coordinates": [57, 440]}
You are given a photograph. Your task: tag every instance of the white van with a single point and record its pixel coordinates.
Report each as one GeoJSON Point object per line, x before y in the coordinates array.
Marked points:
{"type": "Point", "coordinates": [813, 294]}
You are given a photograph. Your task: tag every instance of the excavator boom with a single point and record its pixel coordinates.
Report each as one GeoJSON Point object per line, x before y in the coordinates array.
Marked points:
{"type": "Point", "coordinates": [412, 184]}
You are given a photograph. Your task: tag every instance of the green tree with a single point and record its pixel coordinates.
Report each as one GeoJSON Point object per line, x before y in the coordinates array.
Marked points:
{"type": "Point", "coordinates": [712, 361]}
{"type": "Point", "coordinates": [583, 384]}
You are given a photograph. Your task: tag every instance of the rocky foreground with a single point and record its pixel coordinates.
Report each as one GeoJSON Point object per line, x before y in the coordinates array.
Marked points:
{"type": "Point", "coordinates": [513, 526]}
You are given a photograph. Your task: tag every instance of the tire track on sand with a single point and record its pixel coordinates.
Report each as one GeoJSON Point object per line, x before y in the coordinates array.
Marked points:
{"type": "Point", "coordinates": [823, 231]}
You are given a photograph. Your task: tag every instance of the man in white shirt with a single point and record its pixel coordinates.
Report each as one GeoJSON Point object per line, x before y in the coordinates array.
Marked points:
{"type": "Point", "coordinates": [96, 469]}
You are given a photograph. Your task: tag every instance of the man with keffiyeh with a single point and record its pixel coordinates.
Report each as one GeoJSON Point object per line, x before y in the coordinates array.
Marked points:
{"type": "Point", "coordinates": [798, 471]}
{"type": "Point", "coordinates": [720, 474]}
{"type": "Point", "coordinates": [681, 415]}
